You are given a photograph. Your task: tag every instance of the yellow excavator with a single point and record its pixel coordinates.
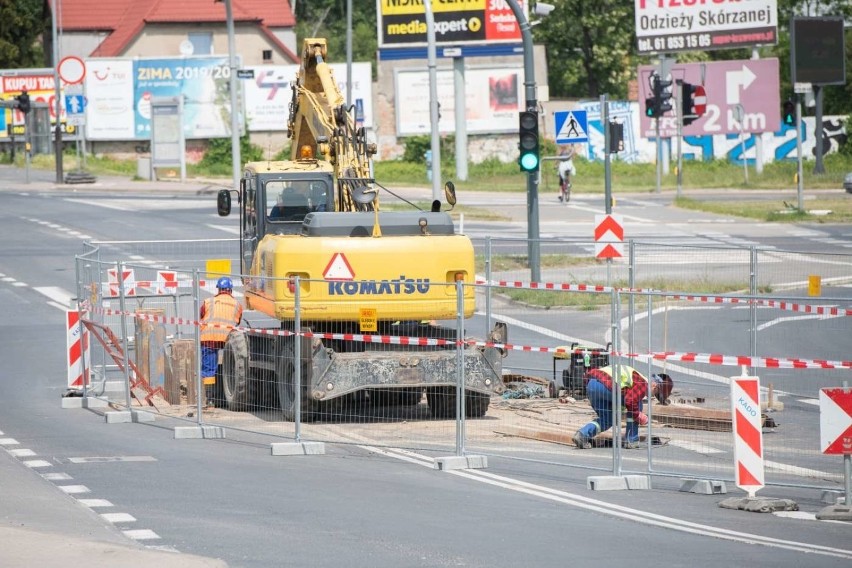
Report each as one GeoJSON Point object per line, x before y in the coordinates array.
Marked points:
{"type": "Point", "coordinates": [313, 225]}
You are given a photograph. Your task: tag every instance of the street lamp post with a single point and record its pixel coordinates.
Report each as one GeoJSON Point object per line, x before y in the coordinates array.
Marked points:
{"type": "Point", "coordinates": [534, 247]}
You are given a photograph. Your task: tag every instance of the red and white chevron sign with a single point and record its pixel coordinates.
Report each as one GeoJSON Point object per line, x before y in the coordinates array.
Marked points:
{"type": "Point", "coordinates": [609, 236]}
{"type": "Point", "coordinates": [835, 421]}
{"type": "Point", "coordinates": [748, 433]}
{"type": "Point", "coordinates": [75, 348]}
{"type": "Point", "coordinates": [128, 281]}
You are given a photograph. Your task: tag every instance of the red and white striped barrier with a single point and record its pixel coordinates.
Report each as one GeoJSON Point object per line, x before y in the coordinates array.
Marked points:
{"type": "Point", "coordinates": [127, 282]}
{"type": "Point", "coordinates": [748, 433]}
{"type": "Point", "coordinates": [780, 305]}
{"type": "Point", "coordinates": [76, 347]}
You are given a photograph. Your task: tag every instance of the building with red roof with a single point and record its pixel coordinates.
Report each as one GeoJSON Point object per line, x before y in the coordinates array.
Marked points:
{"type": "Point", "coordinates": [264, 30]}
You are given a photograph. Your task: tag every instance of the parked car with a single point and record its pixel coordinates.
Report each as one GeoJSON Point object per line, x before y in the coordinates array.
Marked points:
{"type": "Point", "coordinates": [847, 182]}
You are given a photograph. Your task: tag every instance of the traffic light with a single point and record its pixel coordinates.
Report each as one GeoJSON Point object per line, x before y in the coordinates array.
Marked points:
{"type": "Point", "coordinates": [528, 141]}
{"type": "Point", "coordinates": [686, 104]}
{"type": "Point", "coordinates": [662, 96]}
{"type": "Point", "coordinates": [660, 103]}
{"type": "Point", "coordinates": [788, 116]}
{"type": "Point", "coordinates": [24, 102]}
{"type": "Point", "coordinates": [616, 137]}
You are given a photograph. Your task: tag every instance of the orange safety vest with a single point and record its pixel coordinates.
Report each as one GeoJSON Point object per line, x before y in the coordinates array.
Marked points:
{"type": "Point", "coordinates": [220, 314]}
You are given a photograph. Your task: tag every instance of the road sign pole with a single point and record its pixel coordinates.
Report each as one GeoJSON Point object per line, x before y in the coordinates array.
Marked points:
{"type": "Point", "coordinates": [799, 182]}
{"type": "Point", "coordinates": [679, 139]}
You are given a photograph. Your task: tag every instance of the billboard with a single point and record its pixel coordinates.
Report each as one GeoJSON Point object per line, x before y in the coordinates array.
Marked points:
{"type": "Point", "coordinates": [41, 88]}
{"type": "Point", "coordinates": [818, 55]}
{"type": "Point", "coordinates": [119, 93]}
{"type": "Point", "coordinates": [669, 26]}
{"type": "Point", "coordinates": [749, 86]}
{"type": "Point", "coordinates": [268, 94]}
{"type": "Point", "coordinates": [493, 97]}
{"type": "Point", "coordinates": [402, 23]}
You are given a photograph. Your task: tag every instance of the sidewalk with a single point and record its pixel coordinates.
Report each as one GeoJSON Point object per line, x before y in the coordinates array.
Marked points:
{"type": "Point", "coordinates": [13, 178]}
{"type": "Point", "coordinates": [41, 526]}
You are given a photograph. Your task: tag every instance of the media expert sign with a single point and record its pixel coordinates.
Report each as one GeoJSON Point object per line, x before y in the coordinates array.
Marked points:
{"type": "Point", "coordinates": [752, 83]}
{"type": "Point", "coordinates": [668, 26]}
{"type": "Point", "coordinates": [493, 98]}
{"type": "Point", "coordinates": [402, 23]}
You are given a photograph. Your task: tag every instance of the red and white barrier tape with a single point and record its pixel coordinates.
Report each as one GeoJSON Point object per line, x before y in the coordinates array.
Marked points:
{"type": "Point", "coordinates": [689, 357]}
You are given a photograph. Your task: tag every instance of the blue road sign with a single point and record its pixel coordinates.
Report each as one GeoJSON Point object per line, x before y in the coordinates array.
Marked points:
{"type": "Point", "coordinates": [571, 126]}
{"type": "Point", "coordinates": [75, 104]}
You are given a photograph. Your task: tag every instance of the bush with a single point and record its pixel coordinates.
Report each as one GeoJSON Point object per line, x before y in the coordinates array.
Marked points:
{"type": "Point", "coordinates": [416, 147]}
{"type": "Point", "coordinates": [217, 159]}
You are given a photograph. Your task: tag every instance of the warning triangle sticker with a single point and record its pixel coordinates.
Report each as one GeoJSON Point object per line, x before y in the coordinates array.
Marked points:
{"type": "Point", "coordinates": [338, 268]}
{"type": "Point", "coordinates": [571, 128]}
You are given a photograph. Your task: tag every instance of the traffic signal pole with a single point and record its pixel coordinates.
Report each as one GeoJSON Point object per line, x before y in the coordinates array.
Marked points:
{"type": "Point", "coordinates": [534, 246]}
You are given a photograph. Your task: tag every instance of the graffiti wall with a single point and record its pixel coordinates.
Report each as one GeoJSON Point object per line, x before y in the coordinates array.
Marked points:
{"type": "Point", "coordinates": [780, 145]}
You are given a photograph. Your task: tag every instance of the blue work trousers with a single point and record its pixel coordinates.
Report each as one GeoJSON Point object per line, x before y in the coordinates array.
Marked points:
{"type": "Point", "coordinates": [600, 397]}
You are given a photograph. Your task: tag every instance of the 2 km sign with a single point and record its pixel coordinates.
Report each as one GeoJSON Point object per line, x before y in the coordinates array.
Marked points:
{"type": "Point", "coordinates": [741, 95]}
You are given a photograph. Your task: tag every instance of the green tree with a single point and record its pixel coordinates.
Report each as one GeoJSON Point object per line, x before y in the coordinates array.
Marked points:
{"type": "Point", "coordinates": [590, 50]}
{"type": "Point", "coordinates": [327, 19]}
{"type": "Point", "coordinates": [23, 22]}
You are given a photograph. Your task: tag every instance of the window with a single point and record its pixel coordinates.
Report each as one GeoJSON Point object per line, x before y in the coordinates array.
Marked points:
{"type": "Point", "coordinates": [267, 55]}
{"type": "Point", "coordinates": [202, 43]}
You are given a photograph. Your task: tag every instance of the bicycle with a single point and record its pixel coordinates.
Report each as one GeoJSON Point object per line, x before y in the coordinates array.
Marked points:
{"type": "Point", "coordinates": [564, 170]}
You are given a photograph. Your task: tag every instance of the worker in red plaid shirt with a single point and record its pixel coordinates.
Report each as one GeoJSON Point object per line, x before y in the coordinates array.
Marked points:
{"type": "Point", "coordinates": [634, 389]}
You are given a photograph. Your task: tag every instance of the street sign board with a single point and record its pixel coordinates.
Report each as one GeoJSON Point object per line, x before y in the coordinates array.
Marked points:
{"type": "Point", "coordinates": [609, 236]}
{"type": "Point", "coordinates": [752, 83]}
{"type": "Point", "coordinates": [571, 126]}
{"type": "Point", "coordinates": [75, 105]}
{"type": "Point", "coordinates": [699, 100]}
{"type": "Point", "coordinates": [72, 69]}
{"type": "Point", "coordinates": [245, 73]}
{"type": "Point", "coordinates": [835, 421]}
{"type": "Point", "coordinates": [748, 433]}
{"type": "Point", "coordinates": [671, 26]}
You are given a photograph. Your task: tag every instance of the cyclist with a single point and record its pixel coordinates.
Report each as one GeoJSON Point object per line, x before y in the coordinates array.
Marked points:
{"type": "Point", "coordinates": [566, 169]}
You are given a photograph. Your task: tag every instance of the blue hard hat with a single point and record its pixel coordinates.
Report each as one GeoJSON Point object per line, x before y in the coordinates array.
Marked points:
{"type": "Point", "coordinates": [224, 283]}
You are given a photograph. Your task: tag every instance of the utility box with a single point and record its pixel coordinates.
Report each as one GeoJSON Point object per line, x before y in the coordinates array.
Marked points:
{"type": "Point", "coordinates": [143, 167]}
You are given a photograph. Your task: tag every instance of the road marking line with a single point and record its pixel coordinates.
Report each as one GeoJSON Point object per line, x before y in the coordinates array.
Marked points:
{"type": "Point", "coordinates": [141, 534]}
{"type": "Point", "coordinates": [118, 518]}
{"type": "Point", "coordinates": [58, 295]}
{"type": "Point", "coordinates": [57, 477]}
{"type": "Point", "coordinates": [8, 441]}
{"type": "Point", "coordinates": [92, 503]}
{"type": "Point", "coordinates": [37, 463]}
{"type": "Point", "coordinates": [73, 489]}
{"type": "Point", "coordinates": [22, 453]}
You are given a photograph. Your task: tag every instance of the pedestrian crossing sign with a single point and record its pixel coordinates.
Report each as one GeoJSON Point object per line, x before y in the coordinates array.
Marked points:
{"type": "Point", "coordinates": [571, 126]}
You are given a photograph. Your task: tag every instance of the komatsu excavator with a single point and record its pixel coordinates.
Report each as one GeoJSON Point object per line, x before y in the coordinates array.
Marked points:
{"type": "Point", "coordinates": [313, 224]}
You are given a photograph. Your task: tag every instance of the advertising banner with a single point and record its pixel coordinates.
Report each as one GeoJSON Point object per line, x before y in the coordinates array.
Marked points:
{"type": "Point", "coordinates": [493, 98]}
{"type": "Point", "coordinates": [402, 23]}
{"type": "Point", "coordinates": [41, 88]}
{"type": "Point", "coordinates": [669, 26]}
{"type": "Point", "coordinates": [203, 84]}
{"type": "Point", "coordinates": [109, 93]}
{"type": "Point", "coordinates": [269, 93]}
{"type": "Point", "coordinates": [749, 86]}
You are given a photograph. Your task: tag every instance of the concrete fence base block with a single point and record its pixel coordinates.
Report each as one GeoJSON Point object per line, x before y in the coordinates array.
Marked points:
{"type": "Point", "coordinates": [759, 504]}
{"type": "Point", "coordinates": [199, 432]}
{"type": "Point", "coordinates": [118, 417]}
{"type": "Point", "coordinates": [298, 448]}
{"type": "Point", "coordinates": [72, 402]}
{"type": "Point", "coordinates": [142, 416]}
{"type": "Point", "coordinates": [617, 482]}
{"type": "Point", "coordinates": [703, 486]}
{"type": "Point", "coordinates": [833, 497]}
{"type": "Point", "coordinates": [92, 402]}
{"type": "Point", "coordinates": [460, 462]}
{"type": "Point", "coordinates": [835, 513]}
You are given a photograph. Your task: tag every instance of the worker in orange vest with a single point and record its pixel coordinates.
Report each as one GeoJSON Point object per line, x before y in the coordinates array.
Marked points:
{"type": "Point", "coordinates": [219, 315]}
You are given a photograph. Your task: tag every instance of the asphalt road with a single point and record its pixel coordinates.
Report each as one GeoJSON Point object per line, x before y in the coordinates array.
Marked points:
{"type": "Point", "coordinates": [231, 500]}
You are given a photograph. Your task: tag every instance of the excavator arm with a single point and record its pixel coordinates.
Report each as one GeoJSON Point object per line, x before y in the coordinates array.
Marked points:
{"type": "Point", "coordinates": [321, 127]}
